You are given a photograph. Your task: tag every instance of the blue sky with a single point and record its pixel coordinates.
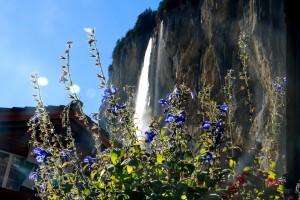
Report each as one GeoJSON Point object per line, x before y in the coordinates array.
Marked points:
{"type": "Point", "coordinates": [33, 36]}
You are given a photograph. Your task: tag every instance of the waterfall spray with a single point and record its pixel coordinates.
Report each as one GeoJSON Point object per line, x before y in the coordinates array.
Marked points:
{"type": "Point", "coordinates": [161, 46]}
{"type": "Point", "coordinates": [142, 119]}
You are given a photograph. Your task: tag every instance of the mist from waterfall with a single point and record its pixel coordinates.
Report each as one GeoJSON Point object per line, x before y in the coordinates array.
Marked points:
{"type": "Point", "coordinates": [161, 46]}
{"type": "Point", "coordinates": [143, 119]}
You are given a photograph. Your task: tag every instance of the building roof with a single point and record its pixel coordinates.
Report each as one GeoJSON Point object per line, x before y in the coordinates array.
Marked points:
{"type": "Point", "coordinates": [14, 135]}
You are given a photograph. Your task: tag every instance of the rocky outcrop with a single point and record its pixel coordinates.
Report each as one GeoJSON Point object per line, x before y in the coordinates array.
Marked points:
{"type": "Point", "coordinates": [197, 41]}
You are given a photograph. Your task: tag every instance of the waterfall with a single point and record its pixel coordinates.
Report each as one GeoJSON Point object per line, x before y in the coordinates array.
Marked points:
{"type": "Point", "coordinates": [161, 46]}
{"type": "Point", "coordinates": [142, 119]}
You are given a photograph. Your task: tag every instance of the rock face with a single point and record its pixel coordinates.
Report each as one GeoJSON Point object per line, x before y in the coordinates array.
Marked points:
{"type": "Point", "coordinates": [199, 40]}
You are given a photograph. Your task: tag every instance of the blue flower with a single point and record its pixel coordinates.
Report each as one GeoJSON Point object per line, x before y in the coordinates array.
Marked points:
{"type": "Point", "coordinates": [118, 107]}
{"type": "Point", "coordinates": [113, 89]}
{"type": "Point", "coordinates": [33, 176]}
{"type": "Point", "coordinates": [167, 109]}
{"type": "Point", "coordinates": [219, 123]}
{"type": "Point", "coordinates": [107, 93]}
{"type": "Point", "coordinates": [169, 96]}
{"type": "Point", "coordinates": [206, 125]}
{"type": "Point", "coordinates": [207, 157]}
{"type": "Point", "coordinates": [37, 151]}
{"type": "Point", "coordinates": [223, 109]}
{"type": "Point", "coordinates": [89, 160]}
{"type": "Point", "coordinates": [163, 102]}
{"type": "Point", "coordinates": [95, 116]}
{"type": "Point", "coordinates": [150, 136]}
{"type": "Point", "coordinates": [64, 153]}
{"type": "Point", "coordinates": [283, 81]}
{"type": "Point", "coordinates": [170, 118]}
{"type": "Point", "coordinates": [217, 140]}
{"type": "Point", "coordinates": [214, 132]}
{"type": "Point", "coordinates": [173, 118]}
{"type": "Point", "coordinates": [193, 95]}
{"type": "Point", "coordinates": [40, 154]}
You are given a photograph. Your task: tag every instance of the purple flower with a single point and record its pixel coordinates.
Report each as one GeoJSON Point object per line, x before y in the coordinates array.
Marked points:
{"type": "Point", "coordinates": [40, 154]}
{"type": "Point", "coordinates": [150, 136]}
{"type": "Point", "coordinates": [206, 125]}
{"type": "Point", "coordinates": [89, 160]}
{"type": "Point", "coordinates": [163, 102]}
{"type": "Point", "coordinates": [207, 157]}
{"type": "Point", "coordinates": [33, 176]}
{"type": "Point", "coordinates": [223, 109]}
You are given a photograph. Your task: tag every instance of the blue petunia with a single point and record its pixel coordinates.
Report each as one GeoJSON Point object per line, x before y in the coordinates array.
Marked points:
{"type": "Point", "coordinates": [150, 136]}
{"type": "Point", "coordinates": [89, 160]}
{"type": "Point", "coordinates": [207, 157]}
{"type": "Point", "coordinates": [206, 125]}
{"type": "Point", "coordinates": [33, 176]}
{"type": "Point", "coordinates": [223, 109]}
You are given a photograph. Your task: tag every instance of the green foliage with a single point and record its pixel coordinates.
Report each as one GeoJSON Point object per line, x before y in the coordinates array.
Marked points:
{"type": "Point", "coordinates": [170, 164]}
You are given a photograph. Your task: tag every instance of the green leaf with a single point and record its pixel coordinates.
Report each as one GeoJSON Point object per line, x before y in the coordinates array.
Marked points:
{"type": "Point", "coordinates": [93, 173]}
{"type": "Point", "coordinates": [272, 173]}
{"type": "Point", "coordinates": [129, 169]}
{"type": "Point", "coordinates": [114, 156]}
{"type": "Point", "coordinates": [247, 168]}
{"type": "Point", "coordinates": [159, 158]}
{"type": "Point", "coordinates": [272, 164]}
{"type": "Point", "coordinates": [65, 164]}
{"type": "Point", "coordinates": [87, 191]}
{"type": "Point", "coordinates": [232, 162]}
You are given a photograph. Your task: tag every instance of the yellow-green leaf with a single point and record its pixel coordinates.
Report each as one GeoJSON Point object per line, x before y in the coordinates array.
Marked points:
{"type": "Point", "coordinates": [93, 173]}
{"type": "Point", "coordinates": [232, 162]}
{"type": "Point", "coordinates": [129, 169]}
{"type": "Point", "coordinates": [272, 164]}
{"type": "Point", "coordinates": [159, 158]}
{"type": "Point", "coordinates": [65, 164]}
{"type": "Point", "coordinates": [247, 168]}
{"type": "Point", "coordinates": [87, 191]}
{"type": "Point", "coordinates": [183, 197]}
{"type": "Point", "coordinates": [272, 174]}
{"type": "Point", "coordinates": [114, 155]}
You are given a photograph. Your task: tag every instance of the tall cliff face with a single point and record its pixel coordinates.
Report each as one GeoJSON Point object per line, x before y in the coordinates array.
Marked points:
{"type": "Point", "coordinates": [197, 41]}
